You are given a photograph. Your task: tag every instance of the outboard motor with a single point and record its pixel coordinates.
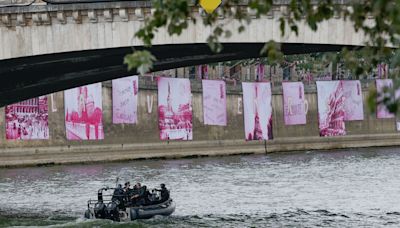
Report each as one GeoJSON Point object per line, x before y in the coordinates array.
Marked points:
{"type": "Point", "coordinates": [100, 210]}
{"type": "Point", "coordinates": [112, 211]}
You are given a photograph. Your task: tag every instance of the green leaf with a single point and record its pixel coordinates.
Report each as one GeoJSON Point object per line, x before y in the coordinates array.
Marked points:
{"type": "Point", "coordinates": [142, 61]}
{"type": "Point", "coordinates": [241, 29]}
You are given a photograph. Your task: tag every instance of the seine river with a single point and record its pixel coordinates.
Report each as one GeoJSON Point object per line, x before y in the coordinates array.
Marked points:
{"type": "Point", "coordinates": [349, 188]}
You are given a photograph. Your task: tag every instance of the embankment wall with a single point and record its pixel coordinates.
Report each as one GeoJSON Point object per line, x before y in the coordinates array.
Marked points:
{"type": "Point", "coordinates": [124, 142]}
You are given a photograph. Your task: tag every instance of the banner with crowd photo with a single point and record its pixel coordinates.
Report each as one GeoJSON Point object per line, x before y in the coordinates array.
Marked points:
{"type": "Point", "coordinates": [124, 98]}
{"type": "Point", "coordinates": [353, 103]}
{"type": "Point", "coordinates": [175, 109]}
{"type": "Point", "coordinates": [84, 113]}
{"type": "Point", "coordinates": [214, 102]}
{"type": "Point", "coordinates": [331, 102]}
{"type": "Point", "coordinates": [294, 104]}
{"type": "Point", "coordinates": [257, 105]}
{"type": "Point", "coordinates": [381, 110]}
{"type": "Point", "coordinates": [27, 119]}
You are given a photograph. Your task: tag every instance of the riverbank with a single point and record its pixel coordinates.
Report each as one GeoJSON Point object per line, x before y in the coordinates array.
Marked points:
{"type": "Point", "coordinates": [80, 154]}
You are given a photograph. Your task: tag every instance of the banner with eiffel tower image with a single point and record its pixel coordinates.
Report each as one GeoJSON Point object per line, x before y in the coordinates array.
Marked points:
{"type": "Point", "coordinates": [257, 105]}
{"type": "Point", "coordinates": [175, 109]}
{"type": "Point", "coordinates": [331, 108]}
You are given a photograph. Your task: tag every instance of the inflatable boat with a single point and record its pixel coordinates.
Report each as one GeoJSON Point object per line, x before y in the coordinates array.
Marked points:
{"type": "Point", "coordinates": [116, 208]}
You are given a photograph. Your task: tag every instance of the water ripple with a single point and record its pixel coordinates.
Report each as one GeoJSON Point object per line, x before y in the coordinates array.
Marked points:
{"type": "Point", "coordinates": [316, 189]}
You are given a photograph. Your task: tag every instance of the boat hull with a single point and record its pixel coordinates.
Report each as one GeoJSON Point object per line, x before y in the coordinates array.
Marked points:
{"type": "Point", "coordinates": [132, 213]}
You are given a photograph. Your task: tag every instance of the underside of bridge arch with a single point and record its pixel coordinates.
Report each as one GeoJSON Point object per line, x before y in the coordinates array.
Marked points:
{"type": "Point", "coordinates": [27, 77]}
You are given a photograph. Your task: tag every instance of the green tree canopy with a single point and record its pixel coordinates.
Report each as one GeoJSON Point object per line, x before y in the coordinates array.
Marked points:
{"type": "Point", "coordinates": [382, 34]}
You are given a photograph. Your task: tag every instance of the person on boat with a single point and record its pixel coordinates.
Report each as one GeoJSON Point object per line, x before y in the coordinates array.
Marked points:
{"type": "Point", "coordinates": [149, 197]}
{"type": "Point", "coordinates": [143, 195]}
{"type": "Point", "coordinates": [126, 186]}
{"type": "Point", "coordinates": [164, 193]}
{"type": "Point", "coordinates": [135, 194]}
{"type": "Point", "coordinates": [118, 196]}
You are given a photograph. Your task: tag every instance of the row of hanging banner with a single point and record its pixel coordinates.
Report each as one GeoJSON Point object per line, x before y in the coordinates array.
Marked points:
{"type": "Point", "coordinates": [338, 102]}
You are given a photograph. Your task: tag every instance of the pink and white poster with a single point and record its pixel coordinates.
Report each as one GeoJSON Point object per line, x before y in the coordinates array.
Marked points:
{"type": "Point", "coordinates": [294, 104]}
{"type": "Point", "coordinates": [257, 104]}
{"type": "Point", "coordinates": [175, 109]}
{"type": "Point", "coordinates": [353, 104]}
{"type": "Point", "coordinates": [381, 111]}
{"type": "Point", "coordinates": [84, 113]}
{"type": "Point", "coordinates": [28, 119]}
{"type": "Point", "coordinates": [214, 102]}
{"type": "Point", "coordinates": [331, 108]}
{"type": "Point", "coordinates": [124, 98]}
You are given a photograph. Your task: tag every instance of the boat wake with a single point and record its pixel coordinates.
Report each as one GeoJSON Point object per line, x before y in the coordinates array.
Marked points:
{"type": "Point", "coordinates": [298, 217]}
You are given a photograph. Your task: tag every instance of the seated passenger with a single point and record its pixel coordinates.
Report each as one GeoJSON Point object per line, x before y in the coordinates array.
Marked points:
{"type": "Point", "coordinates": [135, 194]}
{"type": "Point", "coordinates": [126, 186]}
{"type": "Point", "coordinates": [142, 196]}
{"type": "Point", "coordinates": [164, 193]}
{"type": "Point", "coordinates": [118, 196]}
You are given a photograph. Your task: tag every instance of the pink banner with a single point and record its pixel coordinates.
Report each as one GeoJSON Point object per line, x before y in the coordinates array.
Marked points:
{"type": "Point", "coordinates": [214, 102]}
{"type": "Point", "coordinates": [294, 104]}
{"type": "Point", "coordinates": [257, 110]}
{"type": "Point", "coordinates": [28, 119]}
{"type": "Point", "coordinates": [353, 104]}
{"type": "Point", "coordinates": [175, 109]}
{"type": "Point", "coordinates": [381, 111]}
{"type": "Point", "coordinates": [84, 113]}
{"type": "Point", "coordinates": [125, 95]}
{"type": "Point", "coordinates": [260, 72]}
{"type": "Point", "coordinates": [331, 108]}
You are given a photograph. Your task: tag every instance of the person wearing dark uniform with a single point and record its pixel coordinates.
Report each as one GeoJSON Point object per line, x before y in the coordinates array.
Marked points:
{"type": "Point", "coordinates": [164, 193]}
{"type": "Point", "coordinates": [135, 195]}
{"type": "Point", "coordinates": [118, 196]}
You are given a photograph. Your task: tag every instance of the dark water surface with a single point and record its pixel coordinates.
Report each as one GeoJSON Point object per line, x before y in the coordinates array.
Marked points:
{"type": "Point", "coordinates": [349, 188]}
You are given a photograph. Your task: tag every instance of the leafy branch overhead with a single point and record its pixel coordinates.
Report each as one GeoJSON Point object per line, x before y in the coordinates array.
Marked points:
{"type": "Point", "coordinates": [379, 20]}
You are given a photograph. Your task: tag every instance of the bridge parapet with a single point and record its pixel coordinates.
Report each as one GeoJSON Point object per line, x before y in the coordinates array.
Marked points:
{"type": "Point", "coordinates": [25, 14]}
{"type": "Point", "coordinates": [53, 28]}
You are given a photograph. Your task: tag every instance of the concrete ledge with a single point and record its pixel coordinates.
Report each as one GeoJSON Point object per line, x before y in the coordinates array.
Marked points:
{"type": "Point", "coordinates": [14, 157]}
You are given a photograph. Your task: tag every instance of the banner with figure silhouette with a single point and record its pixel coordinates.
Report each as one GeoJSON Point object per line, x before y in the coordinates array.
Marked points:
{"type": "Point", "coordinates": [27, 119]}
{"type": "Point", "coordinates": [331, 111]}
{"type": "Point", "coordinates": [214, 102]}
{"type": "Point", "coordinates": [294, 104]}
{"type": "Point", "coordinates": [84, 113]}
{"type": "Point", "coordinates": [382, 87]}
{"type": "Point", "coordinates": [353, 103]}
{"type": "Point", "coordinates": [124, 98]}
{"type": "Point", "coordinates": [174, 109]}
{"type": "Point", "coordinates": [257, 105]}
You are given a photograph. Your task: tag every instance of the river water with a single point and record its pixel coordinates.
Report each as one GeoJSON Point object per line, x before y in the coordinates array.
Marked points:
{"type": "Point", "coordinates": [345, 188]}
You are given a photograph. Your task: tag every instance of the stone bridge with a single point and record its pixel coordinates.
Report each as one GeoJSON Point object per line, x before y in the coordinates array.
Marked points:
{"type": "Point", "coordinates": [51, 47]}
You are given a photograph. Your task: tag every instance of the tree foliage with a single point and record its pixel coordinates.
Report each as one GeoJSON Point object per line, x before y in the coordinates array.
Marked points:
{"type": "Point", "coordinates": [379, 20]}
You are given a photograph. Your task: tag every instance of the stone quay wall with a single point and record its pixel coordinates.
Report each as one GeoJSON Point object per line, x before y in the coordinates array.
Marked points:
{"type": "Point", "coordinates": [141, 141]}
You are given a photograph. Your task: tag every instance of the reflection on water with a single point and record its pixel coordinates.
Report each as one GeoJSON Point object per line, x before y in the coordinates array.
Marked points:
{"type": "Point", "coordinates": [337, 188]}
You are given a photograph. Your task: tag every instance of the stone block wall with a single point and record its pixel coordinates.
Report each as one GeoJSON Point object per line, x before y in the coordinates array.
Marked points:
{"type": "Point", "coordinates": [146, 130]}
